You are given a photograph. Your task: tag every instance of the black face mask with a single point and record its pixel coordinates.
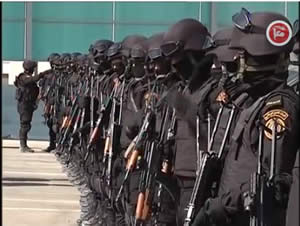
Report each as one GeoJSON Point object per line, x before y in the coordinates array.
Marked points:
{"type": "Point", "coordinates": [118, 67]}
{"type": "Point", "coordinates": [261, 84]}
{"type": "Point", "coordinates": [104, 65]}
{"type": "Point", "coordinates": [138, 69]}
{"type": "Point", "coordinates": [161, 67]}
{"type": "Point", "coordinates": [231, 67]}
{"type": "Point", "coordinates": [30, 71]}
{"type": "Point", "coordinates": [189, 65]}
{"type": "Point", "coordinates": [184, 68]}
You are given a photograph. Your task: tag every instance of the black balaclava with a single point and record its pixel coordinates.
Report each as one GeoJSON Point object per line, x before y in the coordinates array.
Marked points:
{"type": "Point", "coordinates": [194, 68]}
{"type": "Point", "coordinates": [260, 82]}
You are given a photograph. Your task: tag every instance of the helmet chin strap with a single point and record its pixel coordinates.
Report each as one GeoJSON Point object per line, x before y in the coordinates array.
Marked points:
{"type": "Point", "coordinates": [294, 59]}
{"type": "Point", "coordinates": [280, 66]}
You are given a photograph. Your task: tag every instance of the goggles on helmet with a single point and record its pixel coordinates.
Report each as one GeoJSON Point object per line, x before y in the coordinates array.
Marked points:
{"type": "Point", "coordinates": [154, 53]}
{"type": "Point", "coordinates": [171, 47]}
{"type": "Point", "coordinates": [242, 20]}
{"type": "Point", "coordinates": [114, 49]}
{"type": "Point", "coordinates": [208, 43]}
{"type": "Point", "coordinates": [137, 53]}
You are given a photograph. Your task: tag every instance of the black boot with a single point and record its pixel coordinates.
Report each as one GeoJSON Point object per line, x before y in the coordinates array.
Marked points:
{"type": "Point", "coordinates": [24, 148]}
{"type": "Point", "coordinates": [50, 148]}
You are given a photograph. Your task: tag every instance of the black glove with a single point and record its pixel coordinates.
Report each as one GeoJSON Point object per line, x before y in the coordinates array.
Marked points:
{"type": "Point", "coordinates": [282, 185]}
{"type": "Point", "coordinates": [132, 131]}
{"type": "Point", "coordinates": [234, 89]}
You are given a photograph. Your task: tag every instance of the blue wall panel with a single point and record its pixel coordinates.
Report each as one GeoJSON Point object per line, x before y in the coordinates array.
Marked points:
{"type": "Point", "coordinates": [13, 19]}
{"type": "Point", "coordinates": [65, 38]}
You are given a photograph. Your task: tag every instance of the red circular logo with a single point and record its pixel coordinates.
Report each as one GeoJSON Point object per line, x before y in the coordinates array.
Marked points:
{"type": "Point", "coordinates": [279, 33]}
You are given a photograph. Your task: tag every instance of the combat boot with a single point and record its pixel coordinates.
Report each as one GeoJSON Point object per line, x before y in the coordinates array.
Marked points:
{"type": "Point", "coordinates": [24, 148]}
{"type": "Point", "coordinates": [51, 147]}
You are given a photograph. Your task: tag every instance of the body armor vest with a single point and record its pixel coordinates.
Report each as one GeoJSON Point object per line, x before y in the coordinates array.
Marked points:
{"type": "Point", "coordinates": [241, 158]}
{"type": "Point", "coordinates": [27, 93]}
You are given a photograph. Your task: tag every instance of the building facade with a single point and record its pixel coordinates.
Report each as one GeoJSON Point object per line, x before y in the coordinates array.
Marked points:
{"type": "Point", "coordinates": [33, 30]}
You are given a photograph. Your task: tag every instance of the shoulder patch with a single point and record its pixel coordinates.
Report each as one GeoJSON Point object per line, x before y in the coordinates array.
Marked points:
{"type": "Point", "coordinates": [270, 117]}
{"type": "Point", "coordinates": [274, 101]}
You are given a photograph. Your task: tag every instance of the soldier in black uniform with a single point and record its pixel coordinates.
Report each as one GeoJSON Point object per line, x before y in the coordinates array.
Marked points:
{"type": "Point", "coordinates": [47, 84]}
{"type": "Point", "coordinates": [292, 217]}
{"type": "Point", "coordinates": [26, 94]}
{"type": "Point", "coordinates": [207, 97]}
{"type": "Point", "coordinates": [262, 68]}
{"type": "Point", "coordinates": [184, 43]}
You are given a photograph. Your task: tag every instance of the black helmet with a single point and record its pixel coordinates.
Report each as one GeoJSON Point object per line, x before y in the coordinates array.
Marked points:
{"type": "Point", "coordinates": [29, 65]}
{"type": "Point", "coordinates": [114, 50]}
{"type": "Point", "coordinates": [261, 33]}
{"type": "Point", "coordinates": [138, 59]}
{"type": "Point", "coordinates": [100, 47]}
{"type": "Point", "coordinates": [74, 57]}
{"type": "Point", "coordinates": [154, 43]}
{"type": "Point", "coordinates": [82, 60]}
{"type": "Point", "coordinates": [53, 57]}
{"type": "Point", "coordinates": [123, 48]}
{"type": "Point", "coordinates": [139, 50]}
{"type": "Point", "coordinates": [186, 34]}
{"type": "Point", "coordinates": [130, 41]}
{"type": "Point", "coordinates": [65, 58]}
{"type": "Point", "coordinates": [220, 43]}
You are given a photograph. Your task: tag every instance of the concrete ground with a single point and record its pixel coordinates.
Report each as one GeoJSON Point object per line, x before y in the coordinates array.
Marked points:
{"type": "Point", "coordinates": [35, 191]}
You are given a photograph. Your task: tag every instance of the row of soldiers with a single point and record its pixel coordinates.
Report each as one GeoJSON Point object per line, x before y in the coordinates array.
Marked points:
{"type": "Point", "coordinates": [180, 128]}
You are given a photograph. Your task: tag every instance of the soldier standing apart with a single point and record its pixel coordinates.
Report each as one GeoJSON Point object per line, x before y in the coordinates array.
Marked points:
{"type": "Point", "coordinates": [26, 95]}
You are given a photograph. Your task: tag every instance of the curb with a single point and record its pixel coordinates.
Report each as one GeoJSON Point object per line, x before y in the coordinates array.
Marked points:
{"type": "Point", "coordinates": [31, 143]}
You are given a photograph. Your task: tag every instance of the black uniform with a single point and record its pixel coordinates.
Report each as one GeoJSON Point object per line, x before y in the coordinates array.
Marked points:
{"type": "Point", "coordinates": [26, 94]}
{"type": "Point", "coordinates": [47, 86]}
{"type": "Point", "coordinates": [241, 159]}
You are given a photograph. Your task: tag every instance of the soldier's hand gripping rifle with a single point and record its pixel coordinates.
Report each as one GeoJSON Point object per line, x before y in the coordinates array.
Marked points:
{"type": "Point", "coordinates": [168, 158]}
{"type": "Point", "coordinates": [254, 202]}
{"type": "Point", "coordinates": [134, 150]}
{"type": "Point", "coordinates": [78, 123]}
{"type": "Point", "coordinates": [46, 96]}
{"type": "Point", "coordinates": [105, 109]}
{"type": "Point", "coordinates": [74, 112]}
{"type": "Point", "coordinates": [113, 135]}
{"type": "Point", "coordinates": [152, 158]}
{"type": "Point", "coordinates": [66, 121]}
{"type": "Point", "coordinates": [71, 144]}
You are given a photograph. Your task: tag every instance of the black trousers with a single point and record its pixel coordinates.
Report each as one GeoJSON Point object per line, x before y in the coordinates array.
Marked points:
{"type": "Point", "coordinates": [52, 134]}
{"type": "Point", "coordinates": [26, 112]}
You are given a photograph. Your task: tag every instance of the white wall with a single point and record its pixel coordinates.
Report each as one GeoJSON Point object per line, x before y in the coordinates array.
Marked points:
{"type": "Point", "coordinates": [13, 68]}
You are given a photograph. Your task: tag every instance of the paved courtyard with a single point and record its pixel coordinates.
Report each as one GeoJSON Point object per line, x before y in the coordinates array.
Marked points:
{"type": "Point", "coordinates": [35, 191]}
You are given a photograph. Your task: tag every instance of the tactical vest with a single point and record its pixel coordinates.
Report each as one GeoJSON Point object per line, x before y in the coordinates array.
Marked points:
{"type": "Point", "coordinates": [249, 116]}
{"type": "Point", "coordinates": [224, 120]}
{"type": "Point", "coordinates": [28, 93]}
{"type": "Point", "coordinates": [241, 159]}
